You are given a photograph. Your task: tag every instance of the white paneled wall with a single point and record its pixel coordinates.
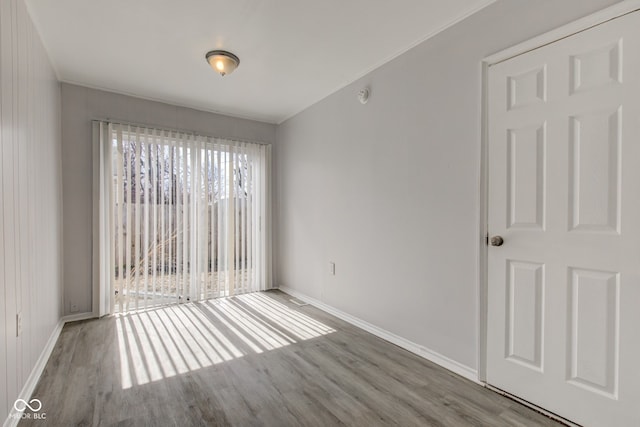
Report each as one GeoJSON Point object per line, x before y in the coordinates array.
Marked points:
{"type": "Point", "coordinates": [31, 200]}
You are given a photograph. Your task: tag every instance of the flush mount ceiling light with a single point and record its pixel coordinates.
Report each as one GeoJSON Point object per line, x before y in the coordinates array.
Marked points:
{"type": "Point", "coordinates": [222, 61]}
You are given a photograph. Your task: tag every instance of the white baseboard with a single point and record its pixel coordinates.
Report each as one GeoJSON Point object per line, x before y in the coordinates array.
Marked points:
{"type": "Point", "coordinates": [433, 356]}
{"type": "Point", "coordinates": [30, 385]}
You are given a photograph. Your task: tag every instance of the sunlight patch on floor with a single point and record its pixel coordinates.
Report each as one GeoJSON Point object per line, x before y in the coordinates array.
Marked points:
{"type": "Point", "coordinates": [164, 342]}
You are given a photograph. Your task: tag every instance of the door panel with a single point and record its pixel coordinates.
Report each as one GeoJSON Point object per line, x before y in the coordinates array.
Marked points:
{"type": "Point", "coordinates": [525, 177]}
{"type": "Point", "coordinates": [525, 310]}
{"type": "Point", "coordinates": [593, 333]}
{"type": "Point", "coordinates": [564, 193]}
{"type": "Point", "coordinates": [594, 165]}
{"type": "Point", "coordinates": [596, 68]}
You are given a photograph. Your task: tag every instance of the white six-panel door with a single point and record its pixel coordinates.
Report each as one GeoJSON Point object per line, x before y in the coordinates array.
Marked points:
{"type": "Point", "coordinates": [563, 329]}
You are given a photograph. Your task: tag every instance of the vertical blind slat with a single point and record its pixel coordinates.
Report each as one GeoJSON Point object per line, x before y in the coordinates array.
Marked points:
{"type": "Point", "coordinates": [128, 222]}
{"type": "Point", "coordinates": [250, 223]}
{"type": "Point", "coordinates": [220, 252]}
{"type": "Point", "coordinates": [135, 202]}
{"type": "Point", "coordinates": [120, 214]}
{"type": "Point", "coordinates": [170, 281]}
{"type": "Point", "coordinates": [153, 238]}
{"type": "Point", "coordinates": [163, 223]}
{"type": "Point", "coordinates": [179, 204]}
{"type": "Point", "coordinates": [145, 236]}
{"type": "Point", "coordinates": [185, 219]}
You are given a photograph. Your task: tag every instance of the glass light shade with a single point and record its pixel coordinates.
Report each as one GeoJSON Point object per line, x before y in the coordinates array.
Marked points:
{"type": "Point", "coordinates": [222, 61]}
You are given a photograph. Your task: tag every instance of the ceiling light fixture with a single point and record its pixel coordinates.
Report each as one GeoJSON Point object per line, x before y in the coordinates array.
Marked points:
{"type": "Point", "coordinates": [222, 61]}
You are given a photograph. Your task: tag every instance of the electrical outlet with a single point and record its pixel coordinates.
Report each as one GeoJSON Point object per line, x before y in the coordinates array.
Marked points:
{"type": "Point", "coordinates": [332, 268]}
{"type": "Point", "coordinates": [18, 324]}
{"type": "Point", "coordinates": [74, 308]}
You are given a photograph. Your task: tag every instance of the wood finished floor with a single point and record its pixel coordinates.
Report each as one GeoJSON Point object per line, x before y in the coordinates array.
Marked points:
{"type": "Point", "coordinates": [253, 360]}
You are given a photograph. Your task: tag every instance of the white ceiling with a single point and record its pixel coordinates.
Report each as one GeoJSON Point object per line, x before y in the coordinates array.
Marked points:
{"type": "Point", "coordinates": [292, 52]}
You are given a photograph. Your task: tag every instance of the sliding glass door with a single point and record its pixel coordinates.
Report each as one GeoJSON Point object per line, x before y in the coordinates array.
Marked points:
{"type": "Point", "coordinates": [188, 216]}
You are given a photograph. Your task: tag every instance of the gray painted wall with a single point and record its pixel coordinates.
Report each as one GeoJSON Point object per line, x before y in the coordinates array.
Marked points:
{"type": "Point", "coordinates": [81, 105]}
{"type": "Point", "coordinates": [389, 190]}
{"type": "Point", "coordinates": [30, 200]}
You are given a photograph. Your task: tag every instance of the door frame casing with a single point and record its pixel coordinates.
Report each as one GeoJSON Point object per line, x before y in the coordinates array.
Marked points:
{"type": "Point", "coordinates": [623, 8]}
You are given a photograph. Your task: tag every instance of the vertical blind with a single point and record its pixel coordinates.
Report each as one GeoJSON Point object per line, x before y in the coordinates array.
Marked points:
{"type": "Point", "coordinates": [181, 217]}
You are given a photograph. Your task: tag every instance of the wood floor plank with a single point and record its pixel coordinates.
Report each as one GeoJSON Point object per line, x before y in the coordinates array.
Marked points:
{"type": "Point", "coordinates": [253, 360]}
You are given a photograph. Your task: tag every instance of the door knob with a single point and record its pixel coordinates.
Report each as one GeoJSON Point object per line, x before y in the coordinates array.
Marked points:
{"type": "Point", "coordinates": [497, 241]}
